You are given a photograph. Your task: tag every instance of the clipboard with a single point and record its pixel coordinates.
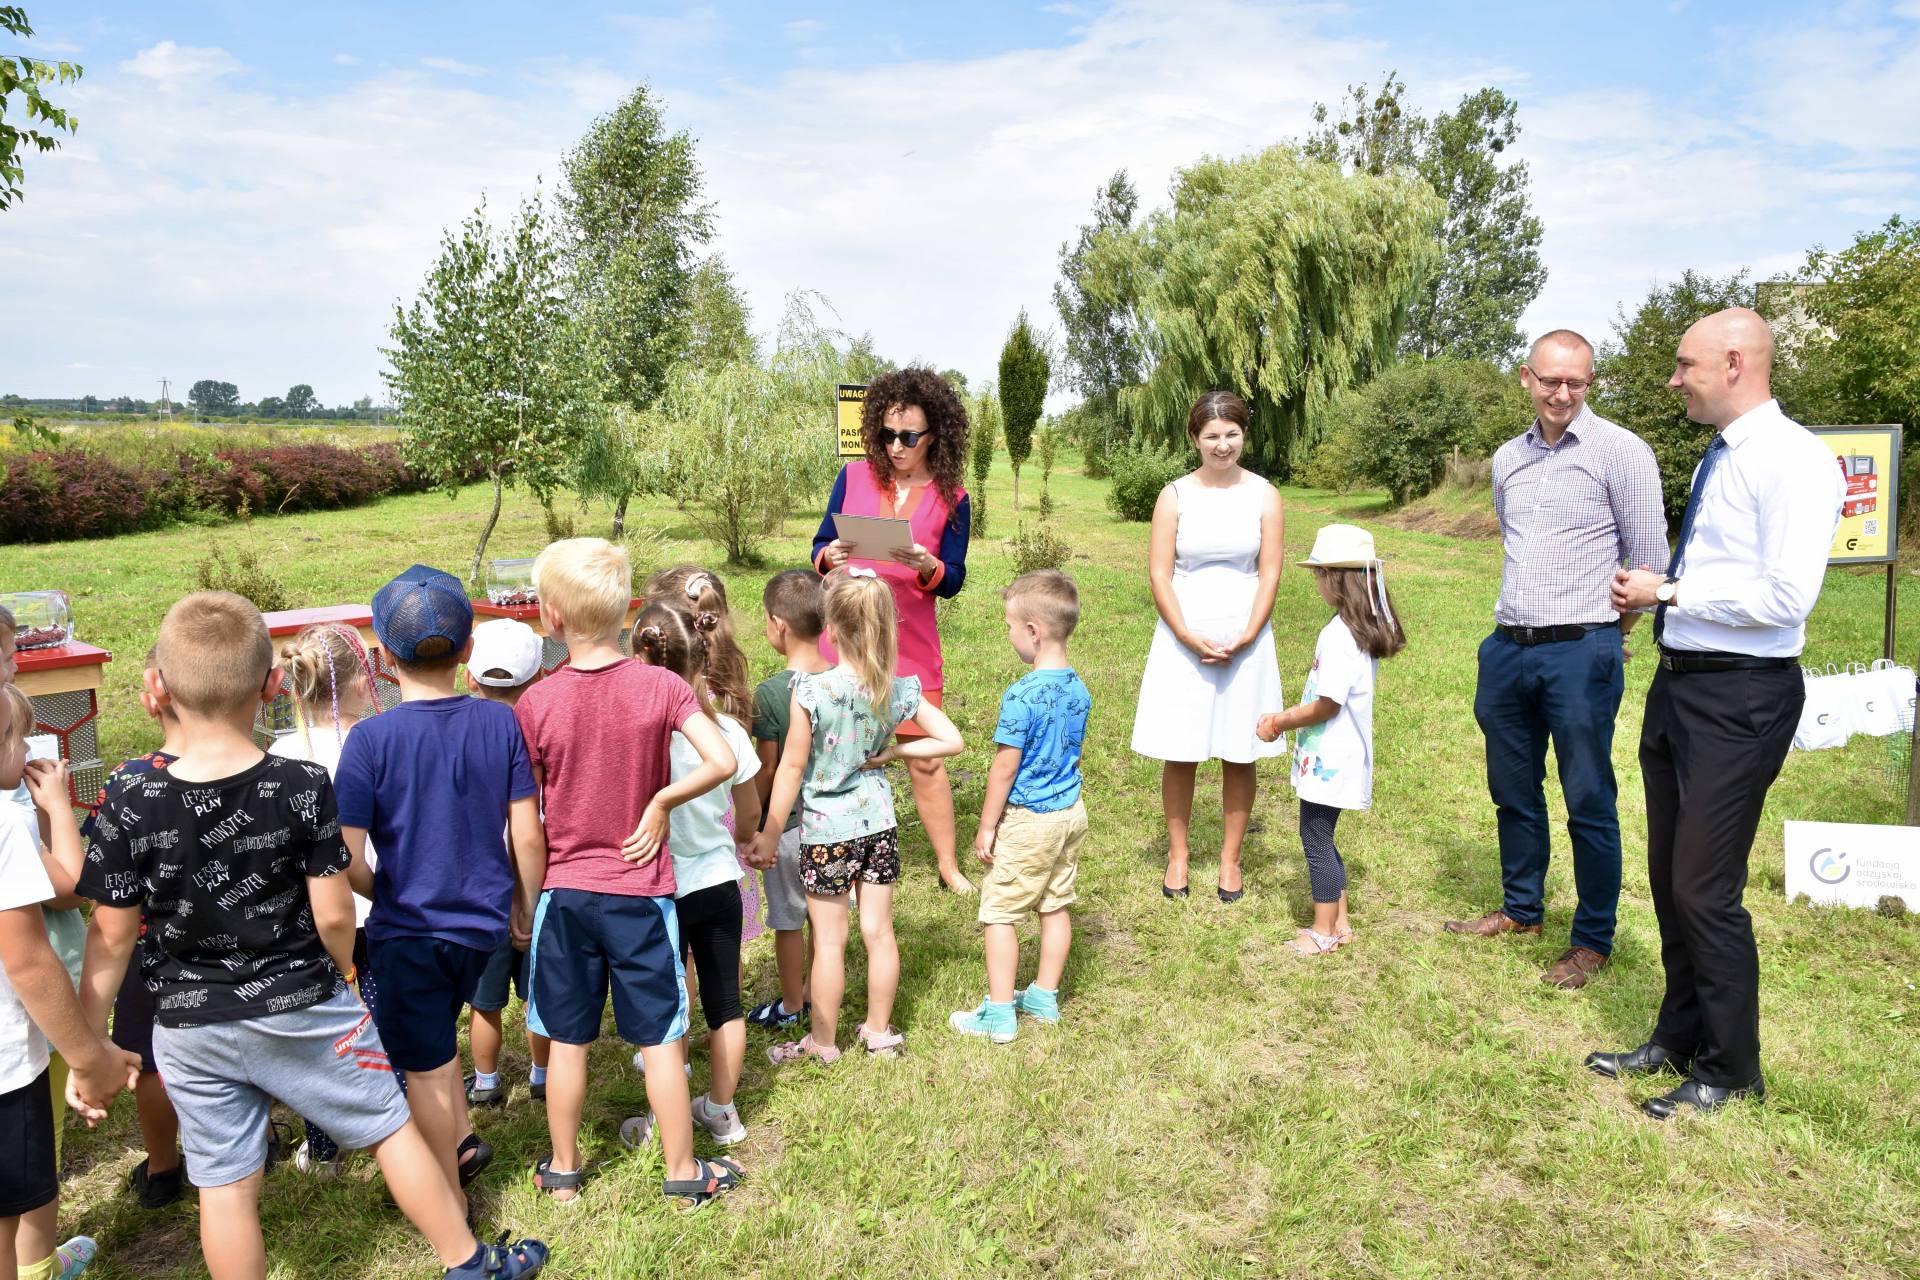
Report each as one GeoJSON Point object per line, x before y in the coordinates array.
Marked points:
{"type": "Point", "coordinates": [873, 537]}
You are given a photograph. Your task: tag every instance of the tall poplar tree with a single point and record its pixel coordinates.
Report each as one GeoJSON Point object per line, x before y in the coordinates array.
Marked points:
{"type": "Point", "coordinates": [1024, 371]}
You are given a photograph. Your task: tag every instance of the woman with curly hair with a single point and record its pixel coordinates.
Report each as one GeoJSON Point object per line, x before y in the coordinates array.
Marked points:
{"type": "Point", "coordinates": [915, 432]}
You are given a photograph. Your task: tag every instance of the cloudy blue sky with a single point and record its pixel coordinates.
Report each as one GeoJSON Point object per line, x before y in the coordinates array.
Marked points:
{"type": "Point", "coordinates": [253, 185]}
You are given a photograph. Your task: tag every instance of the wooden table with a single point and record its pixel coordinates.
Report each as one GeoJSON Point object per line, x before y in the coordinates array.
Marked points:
{"type": "Point", "coordinates": [63, 682]}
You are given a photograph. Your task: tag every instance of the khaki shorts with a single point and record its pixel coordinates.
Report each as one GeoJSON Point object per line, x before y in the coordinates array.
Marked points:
{"type": "Point", "coordinates": [1035, 856]}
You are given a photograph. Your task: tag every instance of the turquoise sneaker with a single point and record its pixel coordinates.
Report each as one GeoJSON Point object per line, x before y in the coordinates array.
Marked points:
{"type": "Point", "coordinates": [1037, 1002]}
{"type": "Point", "coordinates": [994, 1021]}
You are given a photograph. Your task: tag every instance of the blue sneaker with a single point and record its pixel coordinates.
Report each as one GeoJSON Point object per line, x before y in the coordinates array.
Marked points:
{"type": "Point", "coordinates": [774, 1015]}
{"type": "Point", "coordinates": [994, 1021]}
{"type": "Point", "coordinates": [1037, 1002]}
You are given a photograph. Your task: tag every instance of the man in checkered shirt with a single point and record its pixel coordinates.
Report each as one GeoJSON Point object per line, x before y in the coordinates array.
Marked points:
{"type": "Point", "coordinates": [1576, 496]}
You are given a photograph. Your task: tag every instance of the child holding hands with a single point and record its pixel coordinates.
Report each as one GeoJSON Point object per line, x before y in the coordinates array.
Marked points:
{"type": "Point", "coordinates": [1333, 754]}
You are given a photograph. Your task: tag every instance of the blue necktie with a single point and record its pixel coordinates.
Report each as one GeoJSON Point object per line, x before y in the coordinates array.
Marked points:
{"type": "Point", "coordinates": [1715, 451]}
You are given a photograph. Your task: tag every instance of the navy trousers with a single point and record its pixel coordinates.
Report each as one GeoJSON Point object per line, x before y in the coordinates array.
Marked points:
{"type": "Point", "coordinates": [1567, 692]}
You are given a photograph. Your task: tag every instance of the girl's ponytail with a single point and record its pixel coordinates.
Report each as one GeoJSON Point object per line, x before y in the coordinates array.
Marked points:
{"type": "Point", "coordinates": [317, 662]}
{"type": "Point", "coordinates": [699, 591]}
{"type": "Point", "coordinates": [665, 635]}
{"type": "Point", "coordinates": [865, 632]}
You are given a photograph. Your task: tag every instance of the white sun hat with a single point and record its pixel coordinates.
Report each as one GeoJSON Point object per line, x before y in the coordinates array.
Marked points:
{"type": "Point", "coordinates": [1341, 546]}
{"type": "Point", "coordinates": [504, 644]}
{"type": "Point", "coordinates": [1348, 546]}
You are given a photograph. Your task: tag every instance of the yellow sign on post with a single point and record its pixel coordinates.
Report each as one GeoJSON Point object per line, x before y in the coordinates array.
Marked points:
{"type": "Point", "coordinates": [853, 398]}
{"type": "Point", "coordinates": [1869, 462]}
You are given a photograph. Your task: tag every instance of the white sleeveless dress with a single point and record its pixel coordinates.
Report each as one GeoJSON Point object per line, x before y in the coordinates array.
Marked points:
{"type": "Point", "coordinates": [1189, 711]}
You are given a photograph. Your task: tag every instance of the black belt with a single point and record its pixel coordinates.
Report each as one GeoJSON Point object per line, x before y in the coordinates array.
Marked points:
{"type": "Point", "coordinates": [1552, 635]}
{"type": "Point", "coordinates": [1696, 660]}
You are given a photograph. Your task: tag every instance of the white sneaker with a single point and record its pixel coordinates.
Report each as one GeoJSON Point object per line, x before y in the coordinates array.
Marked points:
{"type": "Point", "coordinates": [640, 1063]}
{"type": "Point", "coordinates": [303, 1161]}
{"type": "Point", "coordinates": [723, 1123]}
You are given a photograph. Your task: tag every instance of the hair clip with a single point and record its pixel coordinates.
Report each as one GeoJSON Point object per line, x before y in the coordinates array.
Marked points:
{"type": "Point", "coordinates": [696, 585]}
{"type": "Point", "coordinates": [861, 573]}
{"type": "Point", "coordinates": [653, 632]}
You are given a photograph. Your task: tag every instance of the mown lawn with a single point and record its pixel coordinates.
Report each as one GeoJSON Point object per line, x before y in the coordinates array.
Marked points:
{"type": "Point", "coordinates": [1211, 1105]}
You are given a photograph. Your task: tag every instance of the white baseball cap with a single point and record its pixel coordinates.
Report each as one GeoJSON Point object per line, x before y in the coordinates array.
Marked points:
{"type": "Point", "coordinates": [504, 645]}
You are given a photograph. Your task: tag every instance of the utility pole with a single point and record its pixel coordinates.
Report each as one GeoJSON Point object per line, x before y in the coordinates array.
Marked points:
{"type": "Point", "coordinates": [166, 400]}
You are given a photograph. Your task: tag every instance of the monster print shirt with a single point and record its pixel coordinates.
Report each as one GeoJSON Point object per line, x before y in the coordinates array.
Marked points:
{"type": "Point", "coordinates": [221, 870]}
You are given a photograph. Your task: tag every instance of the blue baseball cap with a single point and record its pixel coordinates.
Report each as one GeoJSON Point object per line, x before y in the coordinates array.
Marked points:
{"type": "Point", "coordinates": [422, 614]}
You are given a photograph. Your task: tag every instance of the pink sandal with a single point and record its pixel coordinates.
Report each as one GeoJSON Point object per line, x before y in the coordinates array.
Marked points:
{"type": "Point", "coordinates": [794, 1050]}
{"type": "Point", "coordinates": [882, 1044]}
{"type": "Point", "coordinates": [1311, 943]}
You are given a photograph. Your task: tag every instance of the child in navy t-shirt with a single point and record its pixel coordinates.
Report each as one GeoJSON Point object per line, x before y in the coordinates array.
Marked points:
{"type": "Point", "coordinates": [434, 783]}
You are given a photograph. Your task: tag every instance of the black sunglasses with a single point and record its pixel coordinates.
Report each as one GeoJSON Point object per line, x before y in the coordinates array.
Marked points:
{"type": "Point", "coordinates": [907, 439]}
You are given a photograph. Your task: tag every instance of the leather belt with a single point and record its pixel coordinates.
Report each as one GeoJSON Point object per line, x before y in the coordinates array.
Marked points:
{"type": "Point", "coordinates": [1552, 635]}
{"type": "Point", "coordinates": [1693, 660]}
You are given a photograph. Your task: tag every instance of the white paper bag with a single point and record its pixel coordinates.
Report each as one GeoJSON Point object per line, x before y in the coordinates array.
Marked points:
{"type": "Point", "coordinates": [1882, 699]}
{"type": "Point", "coordinates": [1827, 719]}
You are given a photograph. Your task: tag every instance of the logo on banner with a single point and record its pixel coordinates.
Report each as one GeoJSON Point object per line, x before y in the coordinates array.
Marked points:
{"type": "Point", "coordinates": [1829, 866]}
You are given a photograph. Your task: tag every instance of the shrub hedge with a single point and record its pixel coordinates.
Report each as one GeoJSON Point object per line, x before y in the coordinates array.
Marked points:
{"type": "Point", "coordinates": [55, 495]}
{"type": "Point", "coordinates": [1139, 473]}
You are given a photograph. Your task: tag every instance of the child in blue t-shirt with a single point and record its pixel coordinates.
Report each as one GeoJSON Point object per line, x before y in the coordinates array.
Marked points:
{"type": "Point", "coordinates": [435, 783]}
{"type": "Point", "coordinates": [1032, 820]}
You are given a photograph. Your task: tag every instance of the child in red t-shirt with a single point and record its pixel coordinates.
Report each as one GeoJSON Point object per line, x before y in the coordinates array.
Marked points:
{"type": "Point", "coordinates": [598, 732]}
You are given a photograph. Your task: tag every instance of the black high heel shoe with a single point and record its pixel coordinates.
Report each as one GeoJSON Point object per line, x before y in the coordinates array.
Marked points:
{"type": "Point", "coordinates": [1172, 892]}
{"type": "Point", "coordinates": [1231, 896]}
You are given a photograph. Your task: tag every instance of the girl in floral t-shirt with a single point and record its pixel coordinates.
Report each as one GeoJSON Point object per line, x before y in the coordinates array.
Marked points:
{"type": "Point", "coordinates": [833, 763]}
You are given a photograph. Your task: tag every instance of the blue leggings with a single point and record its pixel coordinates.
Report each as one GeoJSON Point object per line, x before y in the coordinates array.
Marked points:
{"type": "Point", "coordinates": [1326, 873]}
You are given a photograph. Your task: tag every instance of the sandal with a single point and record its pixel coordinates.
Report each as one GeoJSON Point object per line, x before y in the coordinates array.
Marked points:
{"type": "Point", "coordinates": [482, 1154]}
{"type": "Point", "coordinates": [550, 1180]}
{"type": "Point", "coordinates": [503, 1261]}
{"type": "Point", "coordinates": [718, 1176]}
{"type": "Point", "coordinates": [637, 1131]}
{"type": "Point", "coordinates": [882, 1044]}
{"type": "Point", "coordinates": [1310, 943]}
{"type": "Point", "coordinates": [794, 1050]}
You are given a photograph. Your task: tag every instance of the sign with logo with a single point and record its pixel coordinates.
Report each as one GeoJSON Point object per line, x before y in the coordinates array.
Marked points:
{"type": "Point", "coordinates": [1853, 864]}
{"type": "Point", "coordinates": [1869, 462]}
{"type": "Point", "coordinates": [853, 398]}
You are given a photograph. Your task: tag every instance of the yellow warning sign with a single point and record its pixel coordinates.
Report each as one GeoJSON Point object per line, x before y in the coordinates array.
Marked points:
{"type": "Point", "coordinates": [1869, 462]}
{"type": "Point", "coordinates": [853, 397]}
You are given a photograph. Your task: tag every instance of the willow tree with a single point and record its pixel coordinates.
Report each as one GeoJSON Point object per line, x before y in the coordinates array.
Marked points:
{"type": "Point", "coordinates": [1280, 278]}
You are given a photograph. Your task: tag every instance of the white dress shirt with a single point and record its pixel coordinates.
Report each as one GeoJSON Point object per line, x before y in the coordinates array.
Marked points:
{"type": "Point", "coordinates": [1753, 567]}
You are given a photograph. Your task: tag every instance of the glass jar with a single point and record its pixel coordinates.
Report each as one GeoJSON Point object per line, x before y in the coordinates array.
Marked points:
{"type": "Point", "coordinates": [510, 582]}
{"type": "Point", "coordinates": [41, 619]}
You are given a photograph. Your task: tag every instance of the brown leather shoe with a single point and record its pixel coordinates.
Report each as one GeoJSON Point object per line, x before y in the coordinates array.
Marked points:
{"type": "Point", "coordinates": [1491, 925]}
{"type": "Point", "coordinates": [1574, 969]}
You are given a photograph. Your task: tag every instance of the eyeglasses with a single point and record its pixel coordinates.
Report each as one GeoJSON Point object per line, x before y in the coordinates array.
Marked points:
{"type": "Point", "coordinates": [907, 439]}
{"type": "Point", "coordinates": [1574, 386]}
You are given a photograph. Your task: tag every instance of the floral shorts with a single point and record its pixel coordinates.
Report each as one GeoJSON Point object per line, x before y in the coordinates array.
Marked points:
{"type": "Point", "coordinates": [830, 869]}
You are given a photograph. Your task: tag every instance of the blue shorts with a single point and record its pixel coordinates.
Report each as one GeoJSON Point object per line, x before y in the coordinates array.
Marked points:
{"type": "Point", "coordinates": [506, 971]}
{"type": "Point", "coordinates": [424, 985]}
{"type": "Point", "coordinates": [589, 945]}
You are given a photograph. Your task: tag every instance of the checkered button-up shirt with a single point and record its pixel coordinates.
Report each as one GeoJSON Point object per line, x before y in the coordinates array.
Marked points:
{"type": "Point", "coordinates": [1570, 514]}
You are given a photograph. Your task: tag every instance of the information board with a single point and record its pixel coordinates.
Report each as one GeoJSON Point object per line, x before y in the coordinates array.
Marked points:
{"type": "Point", "coordinates": [1852, 864]}
{"type": "Point", "coordinates": [1869, 462]}
{"type": "Point", "coordinates": [853, 398]}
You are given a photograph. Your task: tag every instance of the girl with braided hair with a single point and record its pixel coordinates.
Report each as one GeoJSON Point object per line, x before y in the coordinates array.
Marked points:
{"type": "Point", "coordinates": [329, 679]}
{"type": "Point", "coordinates": [706, 865]}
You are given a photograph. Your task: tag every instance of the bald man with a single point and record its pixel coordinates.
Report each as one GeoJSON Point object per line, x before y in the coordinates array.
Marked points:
{"type": "Point", "coordinates": [1576, 496]}
{"type": "Point", "coordinates": [1730, 621]}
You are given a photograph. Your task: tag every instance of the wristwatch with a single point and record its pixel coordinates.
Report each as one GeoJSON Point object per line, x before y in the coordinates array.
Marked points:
{"type": "Point", "coordinates": [1664, 592]}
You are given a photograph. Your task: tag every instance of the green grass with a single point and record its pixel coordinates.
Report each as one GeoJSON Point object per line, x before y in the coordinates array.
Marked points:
{"type": "Point", "coordinates": [1210, 1105]}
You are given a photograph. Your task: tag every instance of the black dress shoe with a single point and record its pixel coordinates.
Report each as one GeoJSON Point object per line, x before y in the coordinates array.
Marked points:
{"type": "Point", "coordinates": [1644, 1061]}
{"type": "Point", "coordinates": [1231, 896]}
{"type": "Point", "coordinates": [1172, 892]}
{"type": "Point", "coordinates": [1701, 1097]}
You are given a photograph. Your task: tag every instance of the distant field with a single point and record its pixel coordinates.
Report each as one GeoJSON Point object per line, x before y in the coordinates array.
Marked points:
{"type": "Point", "coordinates": [1211, 1106]}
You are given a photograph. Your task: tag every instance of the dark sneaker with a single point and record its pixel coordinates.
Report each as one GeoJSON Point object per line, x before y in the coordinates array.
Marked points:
{"type": "Point", "coordinates": [772, 1016]}
{"type": "Point", "coordinates": [157, 1190]}
{"type": "Point", "coordinates": [494, 1097]}
{"type": "Point", "coordinates": [503, 1261]}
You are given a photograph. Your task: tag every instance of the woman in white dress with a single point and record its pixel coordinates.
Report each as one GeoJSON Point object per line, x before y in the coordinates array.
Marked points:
{"type": "Point", "coordinates": [1215, 566]}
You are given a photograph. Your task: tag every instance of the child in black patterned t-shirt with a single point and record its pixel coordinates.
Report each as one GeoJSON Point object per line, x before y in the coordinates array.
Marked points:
{"type": "Point", "coordinates": [236, 858]}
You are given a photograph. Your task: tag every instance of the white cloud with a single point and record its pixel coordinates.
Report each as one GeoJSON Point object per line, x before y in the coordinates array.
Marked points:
{"type": "Point", "coordinates": [345, 60]}
{"type": "Point", "coordinates": [212, 224]}
{"type": "Point", "coordinates": [168, 61]}
{"type": "Point", "coordinates": [453, 67]}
